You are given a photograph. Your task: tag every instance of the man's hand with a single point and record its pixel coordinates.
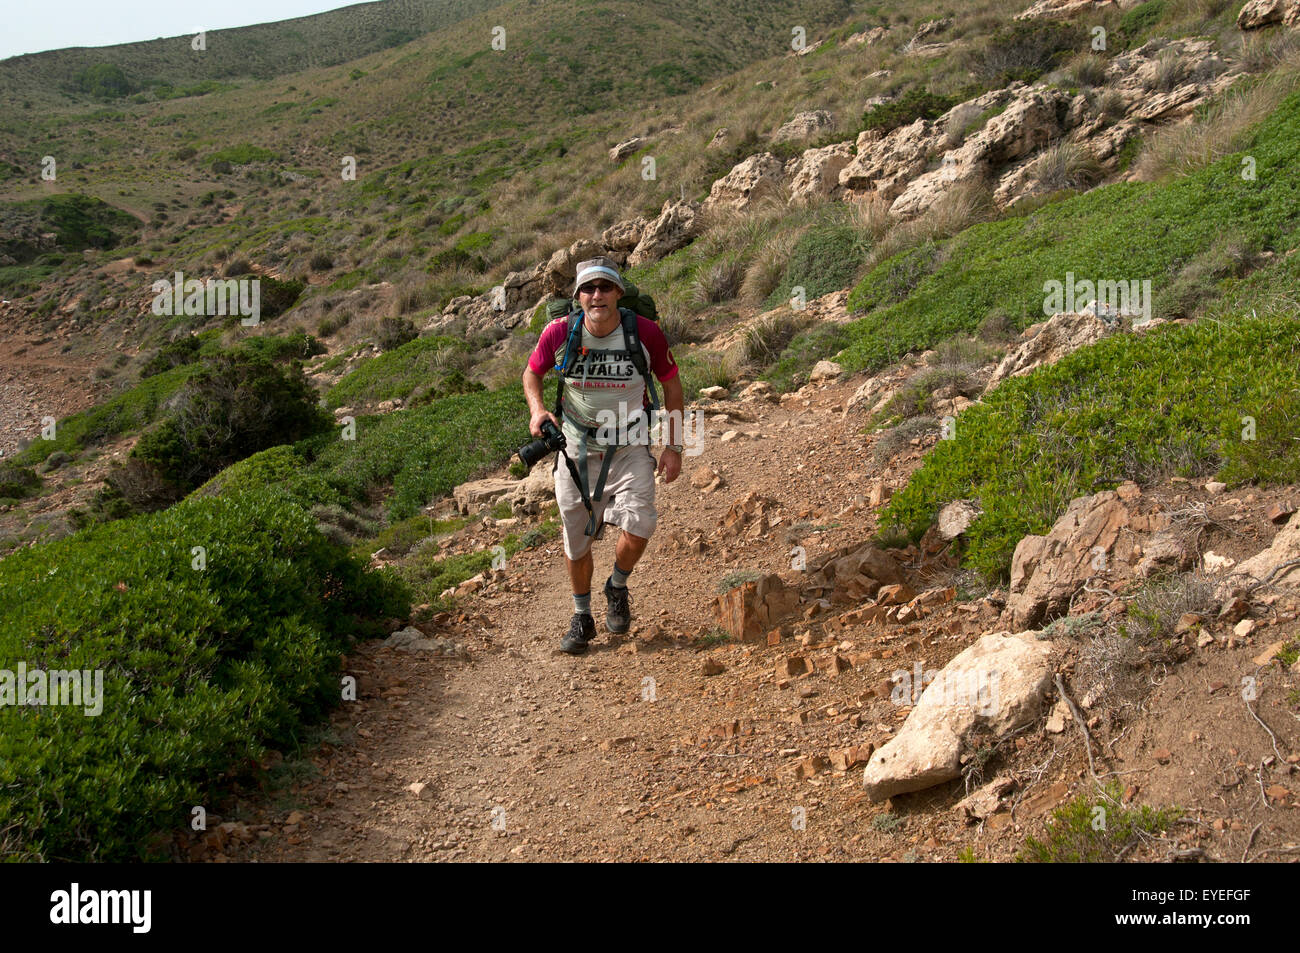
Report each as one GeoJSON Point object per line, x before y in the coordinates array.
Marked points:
{"type": "Point", "coordinates": [535, 421]}
{"type": "Point", "coordinates": [670, 465]}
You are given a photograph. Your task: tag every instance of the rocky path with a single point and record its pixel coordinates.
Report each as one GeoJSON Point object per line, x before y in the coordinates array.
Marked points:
{"type": "Point", "coordinates": [631, 752]}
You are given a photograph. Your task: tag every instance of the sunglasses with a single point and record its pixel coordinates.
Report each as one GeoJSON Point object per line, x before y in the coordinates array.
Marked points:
{"type": "Point", "coordinates": [593, 287]}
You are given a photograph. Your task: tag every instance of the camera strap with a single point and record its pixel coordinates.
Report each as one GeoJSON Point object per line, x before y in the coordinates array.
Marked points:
{"type": "Point", "coordinates": [579, 473]}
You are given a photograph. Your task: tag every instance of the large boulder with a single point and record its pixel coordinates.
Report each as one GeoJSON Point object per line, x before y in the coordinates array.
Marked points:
{"type": "Point", "coordinates": [562, 268]}
{"type": "Point", "coordinates": [621, 237]}
{"type": "Point", "coordinates": [750, 180]}
{"type": "Point", "coordinates": [887, 163]}
{"type": "Point", "coordinates": [534, 491]}
{"type": "Point", "coordinates": [677, 225]}
{"type": "Point", "coordinates": [473, 496]}
{"type": "Point", "coordinates": [995, 686]}
{"type": "Point", "coordinates": [816, 173]}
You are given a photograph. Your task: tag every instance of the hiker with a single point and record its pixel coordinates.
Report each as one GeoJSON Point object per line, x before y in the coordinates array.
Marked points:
{"type": "Point", "coordinates": [602, 473]}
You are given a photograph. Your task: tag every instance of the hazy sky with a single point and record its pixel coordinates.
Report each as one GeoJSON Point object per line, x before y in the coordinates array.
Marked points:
{"type": "Point", "coordinates": [30, 27]}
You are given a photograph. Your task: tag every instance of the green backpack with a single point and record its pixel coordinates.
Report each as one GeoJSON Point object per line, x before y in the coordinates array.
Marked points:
{"type": "Point", "coordinates": [634, 299]}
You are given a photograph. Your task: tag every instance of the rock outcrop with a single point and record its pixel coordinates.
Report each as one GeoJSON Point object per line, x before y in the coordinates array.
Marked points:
{"type": "Point", "coordinates": [751, 180]}
{"type": "Point", "coordinates": [804, 126]}
{"type": "Point", "coordinates": [1261, 13]}
{"type": "Point", "coordinates": [678, 223]}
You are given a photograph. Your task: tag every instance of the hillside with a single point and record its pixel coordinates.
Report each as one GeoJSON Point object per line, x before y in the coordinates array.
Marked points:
{"type": "Point", "coordinates": [1006, 315]}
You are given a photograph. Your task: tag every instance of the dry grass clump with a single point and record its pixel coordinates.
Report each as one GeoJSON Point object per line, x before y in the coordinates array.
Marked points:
{"type": "Point", "coordinates": [1183, 149]}
{"type": "Point", "coordinates": [1066, 165]}
{"type": "Point", "coordinates": [964, 204]}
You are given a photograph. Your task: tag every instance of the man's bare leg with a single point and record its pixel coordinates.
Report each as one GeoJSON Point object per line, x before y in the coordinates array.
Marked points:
{"type": "Point", "coordinates": [627, 553]}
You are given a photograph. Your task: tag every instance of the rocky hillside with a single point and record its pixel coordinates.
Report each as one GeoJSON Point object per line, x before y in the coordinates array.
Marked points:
{"type": "Point", "coordinates": [987, 320]}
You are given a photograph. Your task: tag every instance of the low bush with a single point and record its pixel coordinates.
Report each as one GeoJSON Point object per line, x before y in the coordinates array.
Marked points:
{"type": "Point", "coordinates": [1024, 50]}
{"type": "Point", "coordinates": [916, 103]}
{"type": "Point", "coordinates": [1074, 836]}
{"type": "Point", "coordinates": [204, 666]}
{"type": "Point", "coordinates": [234, 405]}
{"type": "Point", "coordinates": [1178, 398]}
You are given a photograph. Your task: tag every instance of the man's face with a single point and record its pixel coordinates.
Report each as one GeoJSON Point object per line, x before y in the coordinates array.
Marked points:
{"type": "Point", "coordinates": [599, 298]}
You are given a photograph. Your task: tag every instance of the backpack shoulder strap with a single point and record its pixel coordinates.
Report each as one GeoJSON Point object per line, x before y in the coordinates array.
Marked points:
{"type": "Point", "coordinates": [632, 339]}
{"type": "Point", "coordinates": [572, 343]}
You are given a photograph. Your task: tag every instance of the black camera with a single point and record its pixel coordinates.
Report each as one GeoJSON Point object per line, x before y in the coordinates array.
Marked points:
{"type": "Point", "coordinates": [550, 441]}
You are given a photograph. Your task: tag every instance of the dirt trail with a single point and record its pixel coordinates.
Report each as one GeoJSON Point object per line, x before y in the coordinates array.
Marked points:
{"type": "Point", "coordinates": [563, 752]}
{"type": "Point", "coordinates": [528, 754]}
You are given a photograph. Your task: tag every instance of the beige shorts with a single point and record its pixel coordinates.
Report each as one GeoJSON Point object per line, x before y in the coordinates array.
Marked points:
{"type": "Point", "coordinates": [627, 502]}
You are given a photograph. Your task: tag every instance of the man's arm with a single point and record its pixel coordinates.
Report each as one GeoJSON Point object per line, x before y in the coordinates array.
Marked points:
{"type": "Point", "coordinates": [536, 409]}
{"type": "Point", "coordinates": [670, 463]}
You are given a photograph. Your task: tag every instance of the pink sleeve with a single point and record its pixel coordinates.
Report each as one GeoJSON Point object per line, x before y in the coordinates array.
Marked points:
{"type": "Point", "coordinates": [543, 357]}
{"type": "Point", "coordinates": [661, 359]}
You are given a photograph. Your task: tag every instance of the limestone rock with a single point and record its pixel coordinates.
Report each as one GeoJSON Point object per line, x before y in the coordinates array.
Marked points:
{"type": "Point", "coordinates": [1049, 341]}
{"type": "Point", "coordinates": [825, 371]}
{"type": "Point", "coordinates": [1284, 548]}
{"type": "Point", "coordinates": [678, 223]}
{"type": "Point", "coordinates": [996, 685]}
{"type": "Point", "coordinates": [956, 517]}
{"type": "Point", "coordinates": [817, 172]}
{"type": "Point", "coordinates": [1261, 13]}
{"type": "Point", "coordinates": [1063, 9]}
{"type": "Point", "coordinates": [804, 126]}
{"type": "Point", "coordinates": [749, 181]}
{"type": "Point", "coordinates": [626, 148]}
{"type": "Point", "coordinates": [562, 268]}
{"type": "Point", "coordinates": [1046, 571]}
{"type": "Point", "coordinates": [471, 496]}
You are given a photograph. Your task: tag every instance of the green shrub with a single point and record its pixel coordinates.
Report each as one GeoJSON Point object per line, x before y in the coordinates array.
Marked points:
{"type": "Point", "coordinates": [1135, 24]}
{"type": "Point", "coordinates": [805, 349]}
{"type": "Point", "coordinates": [276, 296]}
{"type": "Point", "coordinates": [17, 482]}
{"type": "Point", "coordinates": [242, 154]}
{"type": "Point", "coordinates": [104, 81]}
{"type": "Point", "coordinates": [202, 669]}
{"type": "Point", "coordinates": [184, 350]}
{"type": "Point", "coordinates": [1024, 50]}
{"type": "Point", "coordinates": [234, 405]}
{"type": "Point", "coordinates": [420, 453]}
{"type": "Point", "coordinates": [824, 259]}
{"type": "Point", "coordinates": [391, 333]}
{"type": "Point", "coordinates": [1132, 406]}
{"type": "Point", "coordinates": [430, 364]}
{"type": "Point", "coordinates": [916, 103]}
{"type": "Point", "coordinates": [1096, 828]}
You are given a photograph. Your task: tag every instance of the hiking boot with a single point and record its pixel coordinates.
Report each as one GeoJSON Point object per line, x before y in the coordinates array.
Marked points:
{"type": "Point", "coordinates": [618, 616]}
{"type": "Point", "coordinates": [582, 629]}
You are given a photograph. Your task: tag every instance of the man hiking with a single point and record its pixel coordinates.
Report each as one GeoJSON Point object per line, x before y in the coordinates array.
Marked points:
{"type": "Point", "coordinates": [608, 473]}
